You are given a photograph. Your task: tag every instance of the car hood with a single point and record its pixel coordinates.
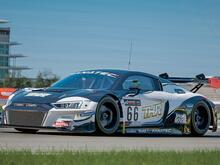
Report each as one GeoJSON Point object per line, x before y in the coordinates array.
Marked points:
{"type": "Point", "coordinates": [51, 95]}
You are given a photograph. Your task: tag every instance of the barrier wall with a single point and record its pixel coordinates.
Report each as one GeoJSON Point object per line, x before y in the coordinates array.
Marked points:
{"type": "Point", "coordinates": [6, 92]}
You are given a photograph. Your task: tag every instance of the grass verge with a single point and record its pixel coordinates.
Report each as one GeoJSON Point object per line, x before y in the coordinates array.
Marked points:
{"type": "Point", "coordinates": [111, 158]}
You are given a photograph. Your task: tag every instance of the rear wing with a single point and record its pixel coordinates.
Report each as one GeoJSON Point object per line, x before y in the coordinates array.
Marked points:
{"type": "Point", "coordinates": [199, 79]}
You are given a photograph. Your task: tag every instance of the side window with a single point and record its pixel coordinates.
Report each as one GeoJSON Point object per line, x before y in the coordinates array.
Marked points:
{"type": "Point", "coordinates": [145, 83]}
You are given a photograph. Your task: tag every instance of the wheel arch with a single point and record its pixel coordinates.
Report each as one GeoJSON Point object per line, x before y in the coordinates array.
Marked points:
{"type": "Point", "coordinates": [118, 102]}
{"type": "Point", "coordinates": [210, 106]}
{"type": "Point", "coordinates": [189, 104]}
{"type": "Point", "coordinates": [113, 100]}
{"type": "Point", "coordinates": [201, 128]}
{"type": "Point", "coordinates": [211, 111]}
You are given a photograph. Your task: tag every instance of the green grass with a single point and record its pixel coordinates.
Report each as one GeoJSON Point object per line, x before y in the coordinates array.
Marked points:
{"type": "Point", "coordinates": [111, 158]}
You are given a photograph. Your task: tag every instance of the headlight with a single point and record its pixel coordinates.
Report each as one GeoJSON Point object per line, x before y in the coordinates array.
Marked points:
{"type": "Point", "coordinates": [68, 105]}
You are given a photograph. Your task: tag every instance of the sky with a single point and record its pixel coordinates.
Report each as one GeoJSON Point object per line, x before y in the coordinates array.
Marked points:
{"type": "Point", "coordinates": [180, 37]}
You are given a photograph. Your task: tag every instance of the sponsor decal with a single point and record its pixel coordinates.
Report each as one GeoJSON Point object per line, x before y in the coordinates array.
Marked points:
{"type": "Point", "coordinates": [99, 73]}
{"type": "Point", "coordinates": [180, 118]}
{"type": "Point", "coordinates": [87, 113]}
{"type": "Point", "coordinates": [24, 105]}
{"type": "Point", "coordinates": [35, 94]}
{"type": "Point", "coordinates": [152, 111]}
{"type": "Point", "coordinates": [149, 131]}
{"type": "Point", "coordinates": [132, 102]}
{"type": "Point", "coordinates": [62, 123]}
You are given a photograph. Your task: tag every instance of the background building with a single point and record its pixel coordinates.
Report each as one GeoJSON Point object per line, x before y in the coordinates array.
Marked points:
{"type": "Point", "coordinates": [8, 65]}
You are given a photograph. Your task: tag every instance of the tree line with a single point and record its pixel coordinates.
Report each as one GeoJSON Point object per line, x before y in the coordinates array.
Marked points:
{"type": "Point", "coordinates": [43, 79]}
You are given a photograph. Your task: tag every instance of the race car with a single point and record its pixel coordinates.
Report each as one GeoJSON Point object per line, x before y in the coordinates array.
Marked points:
{"type": "Point", "coordinates": [113, 101]}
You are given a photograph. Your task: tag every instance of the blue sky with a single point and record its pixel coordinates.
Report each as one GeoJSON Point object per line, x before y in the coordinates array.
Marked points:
{"type": "Point", "coordinates": [181, 37]}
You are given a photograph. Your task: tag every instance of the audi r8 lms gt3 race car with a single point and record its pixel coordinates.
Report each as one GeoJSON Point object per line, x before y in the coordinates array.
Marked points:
{"type": "Point", "coordinates": [111, 101]}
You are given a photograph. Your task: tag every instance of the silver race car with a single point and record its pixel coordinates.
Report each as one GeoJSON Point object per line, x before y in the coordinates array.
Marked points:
{"type": "Point", "coordinates": [113, 101]}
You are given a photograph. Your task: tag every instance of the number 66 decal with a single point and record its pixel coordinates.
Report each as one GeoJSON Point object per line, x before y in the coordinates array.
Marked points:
{"type": "Point", "coordinates": [132, 113]}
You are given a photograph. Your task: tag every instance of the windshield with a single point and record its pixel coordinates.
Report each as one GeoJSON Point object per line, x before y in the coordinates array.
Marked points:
{"type": "Point", "coordinates": [86, 81]}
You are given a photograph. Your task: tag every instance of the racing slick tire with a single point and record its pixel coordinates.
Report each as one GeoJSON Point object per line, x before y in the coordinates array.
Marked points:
{"type": "Point", "coordinates": [26, 130]}
{"type": "Point", "coordinates": [107, 116]}
{"type": "Point", "coordinates": [200, 119]}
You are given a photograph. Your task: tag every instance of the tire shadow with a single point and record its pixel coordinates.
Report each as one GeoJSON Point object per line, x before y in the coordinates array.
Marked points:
{"type": "Point", "coordinates": [60, 133]}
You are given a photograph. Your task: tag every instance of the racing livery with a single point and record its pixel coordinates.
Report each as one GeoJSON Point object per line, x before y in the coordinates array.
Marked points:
{"type": "Point", "coordinates": [110, 101]}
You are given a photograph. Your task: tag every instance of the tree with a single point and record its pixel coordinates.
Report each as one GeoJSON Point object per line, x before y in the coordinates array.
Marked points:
{"type": "Point", "coordinates": [17, 82]}
{"type": "Point", "coordinates": [45, 79]}
{"type": "Point", "coordinates": [39, 81]}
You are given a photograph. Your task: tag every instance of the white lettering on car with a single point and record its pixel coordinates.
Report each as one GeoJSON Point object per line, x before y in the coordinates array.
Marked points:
{"type": "Point", "coordinates": [35, 94]}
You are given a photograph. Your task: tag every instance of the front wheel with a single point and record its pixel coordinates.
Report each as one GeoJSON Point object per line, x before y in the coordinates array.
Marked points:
{"type": "Point", "coordinates": [26, 130]}
{"type": "Point", "coordinates": [201, 119]}
{"type": "Point", "coordinates": [107, 116]}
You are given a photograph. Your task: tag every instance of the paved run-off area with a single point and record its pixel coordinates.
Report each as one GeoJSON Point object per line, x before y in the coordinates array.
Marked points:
{"type": "Point", "coordinates": [52, 140]}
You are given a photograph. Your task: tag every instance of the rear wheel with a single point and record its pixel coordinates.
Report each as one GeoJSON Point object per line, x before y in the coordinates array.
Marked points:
{"type": "Point", "coordinates": [201, 119]}
{"type": "Point", "coordinates": [107, 116]}
{"type": "Point", "coordinates": [26, 130]}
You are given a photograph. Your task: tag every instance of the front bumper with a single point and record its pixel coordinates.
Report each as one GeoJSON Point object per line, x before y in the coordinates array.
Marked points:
{"type": "Point", "coordinates": [71, 120]}
{"type": "Point", "coordinates": [81, 120]}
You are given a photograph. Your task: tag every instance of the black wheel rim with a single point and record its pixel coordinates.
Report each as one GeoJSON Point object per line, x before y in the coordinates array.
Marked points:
{"type": "Point", "coordinates": [107, 117]}
{"type": "Point", "coordinates": [200, 119]}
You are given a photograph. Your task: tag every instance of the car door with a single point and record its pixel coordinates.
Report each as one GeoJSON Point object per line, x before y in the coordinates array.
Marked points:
{"type": "Point", "coordinates": [148, 106]}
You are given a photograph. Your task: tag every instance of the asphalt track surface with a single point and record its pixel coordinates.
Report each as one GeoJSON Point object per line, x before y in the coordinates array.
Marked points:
{"type": "Point", "coordinates": [45, 140]}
